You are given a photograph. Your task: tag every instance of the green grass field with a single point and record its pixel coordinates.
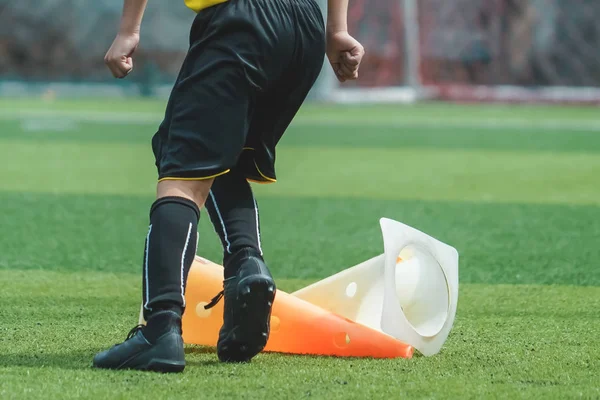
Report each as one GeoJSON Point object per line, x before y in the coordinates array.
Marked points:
{"type": "Point", "coordinates": [515, 189]}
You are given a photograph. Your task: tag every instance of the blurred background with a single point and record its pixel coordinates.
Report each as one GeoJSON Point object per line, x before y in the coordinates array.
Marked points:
{"type": "Point", "coordinates": [416, 49]}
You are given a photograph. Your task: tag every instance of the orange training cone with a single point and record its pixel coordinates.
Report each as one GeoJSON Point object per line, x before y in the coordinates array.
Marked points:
{"type": "Point", "coordinates": [297, 326]}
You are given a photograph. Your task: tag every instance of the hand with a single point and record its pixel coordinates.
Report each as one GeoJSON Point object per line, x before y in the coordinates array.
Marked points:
{"type": "Point", "coordinates": [118, 58]}
{"type": "Point", "coordinates": [345, 54]}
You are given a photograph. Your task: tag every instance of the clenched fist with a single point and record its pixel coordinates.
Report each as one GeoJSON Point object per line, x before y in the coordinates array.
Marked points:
{"type": "Point", "coordinates": [119, 57]}
{"type": "Point", "coordinates": [345, 54]}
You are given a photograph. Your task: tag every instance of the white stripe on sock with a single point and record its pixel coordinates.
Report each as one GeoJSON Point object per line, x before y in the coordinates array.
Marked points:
{"type": "Point", "coordinates": [257, 225]}
{"type": "Point", "coordinates": [187, 241]}
{"type": "Point", "coordinates": [228, 247]}
{"type": "Point", "coordinates": [146, 269]}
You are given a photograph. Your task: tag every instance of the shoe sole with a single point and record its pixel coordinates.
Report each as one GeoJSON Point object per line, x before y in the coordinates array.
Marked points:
{"type": "Point", "coordinates": [154, 365]}
{"type": "Point", "coordinates": [165, 366]}
{"type": "Point", "coordinates": [255, 296]}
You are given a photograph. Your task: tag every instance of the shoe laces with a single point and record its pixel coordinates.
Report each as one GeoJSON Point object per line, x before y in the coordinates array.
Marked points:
{"type": "Point", "coordinates": [215, 300]}
{"type": "Point", "coordinates": [134, 331]}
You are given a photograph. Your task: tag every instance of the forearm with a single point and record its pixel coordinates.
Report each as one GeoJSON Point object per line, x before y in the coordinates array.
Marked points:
{"type": "Point", "coordinates": [133, 12]}
{"type": "Point", "coordinates": [337, 15]}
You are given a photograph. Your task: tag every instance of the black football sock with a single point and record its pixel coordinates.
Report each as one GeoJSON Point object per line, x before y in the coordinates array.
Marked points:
{"type": "Point", "coordinates": [233, 211]}
{"type": "Point", "coordinates": [169, 253]}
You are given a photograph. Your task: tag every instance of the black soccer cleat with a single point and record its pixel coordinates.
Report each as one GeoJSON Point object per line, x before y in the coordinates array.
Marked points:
{"type": "Point", "coordinates": [136, 352]}
{"type": "Point", "coordinates": [249, 298]}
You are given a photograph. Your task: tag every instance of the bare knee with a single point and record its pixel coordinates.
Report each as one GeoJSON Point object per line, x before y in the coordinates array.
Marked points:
{"type": "Point", "coordinates": [195, 190]}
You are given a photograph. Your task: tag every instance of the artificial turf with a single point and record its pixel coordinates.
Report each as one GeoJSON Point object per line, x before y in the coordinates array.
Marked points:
{"type": "Point", "coordinates": [514, 189]}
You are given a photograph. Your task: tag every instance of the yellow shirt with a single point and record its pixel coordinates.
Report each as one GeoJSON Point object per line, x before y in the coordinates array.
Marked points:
{"type": "Point", "coordinates": [198, 5]}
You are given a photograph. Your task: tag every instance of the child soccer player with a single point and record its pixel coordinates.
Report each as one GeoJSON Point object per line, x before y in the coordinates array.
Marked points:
{"type": "Point", "coordinates": [250, 66]}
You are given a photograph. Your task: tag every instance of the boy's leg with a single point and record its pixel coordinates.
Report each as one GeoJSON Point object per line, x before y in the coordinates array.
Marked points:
{"type": "Point", "coordinates": [168, 254]}
{"type": "Point", "coordinates": [249, 288]}
{"type": "Point", "coordinates": [231, 205]}
{"type": "Point", "coordinates": [171, 244]}
{"type": "Point", "coordinates": [233, 211]}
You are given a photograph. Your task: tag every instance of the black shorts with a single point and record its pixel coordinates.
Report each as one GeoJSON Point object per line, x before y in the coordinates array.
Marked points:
{"type": "Point", "coordinates": [249, 68]}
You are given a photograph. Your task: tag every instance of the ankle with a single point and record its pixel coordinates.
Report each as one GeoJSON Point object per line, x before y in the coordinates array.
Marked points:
{"type": "Point", "coordinates": [168, 306]}
{"type": "Point", "coordinates": [232, 262]}
{"type": "Point", "coordinates": [161, 322]}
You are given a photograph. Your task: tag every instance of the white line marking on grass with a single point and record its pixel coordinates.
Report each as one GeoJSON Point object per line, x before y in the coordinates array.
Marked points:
{"type": "Point", "coordinates": [107, 117]}
{"type": "Point", "coordinates": [45, 125]}
{"type": "Point", "coordinates": [148, 118]}
{"type": "Point", "coordinates": [456, 123]}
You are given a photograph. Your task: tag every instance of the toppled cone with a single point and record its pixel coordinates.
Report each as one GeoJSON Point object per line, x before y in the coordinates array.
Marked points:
{"type": "Point", "coordinates": [297, 326]}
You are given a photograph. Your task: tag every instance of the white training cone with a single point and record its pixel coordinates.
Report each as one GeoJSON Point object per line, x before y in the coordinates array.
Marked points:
{"type": "Point", "coordinates": [355, 293]}
{"type": "Point", "coordinates": [410, 292]}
